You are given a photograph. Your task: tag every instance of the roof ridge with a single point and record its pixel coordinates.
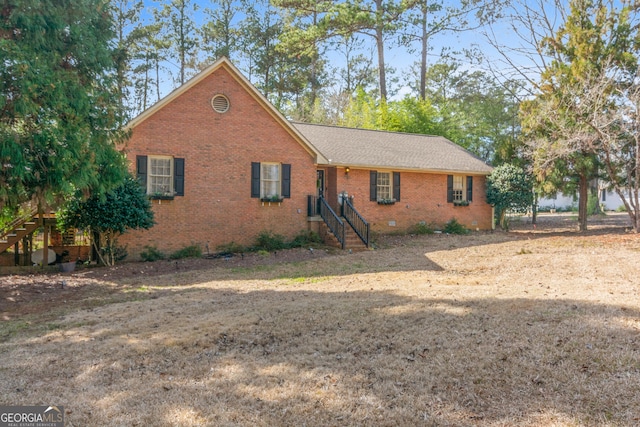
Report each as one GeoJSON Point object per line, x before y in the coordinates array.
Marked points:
{"type": "Point", "coordinates": [380, 148]}
{"type": "Point", "coordinates": [444, 138]}
{"type": "Point", "coordinates": [294, 122]}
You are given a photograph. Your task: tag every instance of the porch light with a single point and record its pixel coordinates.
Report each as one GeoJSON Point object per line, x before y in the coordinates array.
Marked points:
{"type": "Point", "coordinates": [346, 170]}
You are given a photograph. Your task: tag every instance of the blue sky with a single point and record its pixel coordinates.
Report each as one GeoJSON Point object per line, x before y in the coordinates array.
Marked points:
{"type": "Point", "coordinates": [397, 57]}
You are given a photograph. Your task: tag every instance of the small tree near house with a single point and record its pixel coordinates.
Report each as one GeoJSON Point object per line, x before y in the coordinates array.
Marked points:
{"type": "Point", "coordinates": [124, 208]}
{"type": "Point", "coordinates": [509, 188]}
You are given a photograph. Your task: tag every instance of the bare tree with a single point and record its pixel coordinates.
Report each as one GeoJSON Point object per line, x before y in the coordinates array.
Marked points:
{"type": "Point", "coordinates": [612, 110]}
{"type": "Point", "coordinates": [570, 49]}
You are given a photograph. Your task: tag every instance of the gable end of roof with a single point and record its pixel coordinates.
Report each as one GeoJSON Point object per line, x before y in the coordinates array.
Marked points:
{"type": "Point", "coordinates": [246, 84]}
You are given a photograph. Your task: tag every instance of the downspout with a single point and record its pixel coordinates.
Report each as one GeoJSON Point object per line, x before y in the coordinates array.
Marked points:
{"type": "Point", "coordinates": [493, 218]}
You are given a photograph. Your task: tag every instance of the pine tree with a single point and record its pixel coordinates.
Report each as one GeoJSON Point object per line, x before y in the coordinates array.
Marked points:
{"type": "Point", "coordinates": [219, 34]}
{"type": "Point", "coordinates": [180, 35]}
{"type": "Point", "coordinates": [595, 41]}
{"type": "Point", "coordinates": [60, 113]}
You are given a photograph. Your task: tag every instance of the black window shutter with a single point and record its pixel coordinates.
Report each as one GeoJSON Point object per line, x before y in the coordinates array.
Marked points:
{"type": "Point", "coordinates": [396, 186]}
{"type": "Point", "coordinates": [286, 181]}
{"type": "Point", "coordinates": [469, 188]}
{"type": "Point", "coordinates": [178, 176]}
{"type": "Point", "coordinates": [255, 179]}
{"type": "Point", "coordinates": [373, 186]}
{"type": "Point", "coordinates": [141, 170]}
{"type": "Point", "coordinates": [449, 188]}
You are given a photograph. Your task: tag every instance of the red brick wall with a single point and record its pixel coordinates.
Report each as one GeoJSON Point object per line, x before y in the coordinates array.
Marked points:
{"type": "Point", "coordinates": [423, 198]}
{"type": "Point", "coordinates": [218, 150]}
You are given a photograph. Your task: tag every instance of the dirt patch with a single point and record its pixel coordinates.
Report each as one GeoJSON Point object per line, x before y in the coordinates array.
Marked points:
{"type": "Point", "coordinates": [532, 327]}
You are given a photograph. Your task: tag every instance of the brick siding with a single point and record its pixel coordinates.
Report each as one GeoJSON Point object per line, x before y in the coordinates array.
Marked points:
{"type": "Point", "coordinates": [218, 150]}
{"type": "Point", "coordinates": [423, 198]}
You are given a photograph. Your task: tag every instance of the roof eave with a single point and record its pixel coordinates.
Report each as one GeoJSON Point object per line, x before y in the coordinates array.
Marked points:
{"type": "Point", "coordinates": [244, 82]}
{"type": "Point", "coordinates": [175, 94]}
{"type": "Point", "coordinates": [405, 169]}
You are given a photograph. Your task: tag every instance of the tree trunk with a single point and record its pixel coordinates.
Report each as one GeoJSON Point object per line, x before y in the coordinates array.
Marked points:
{"type": "Point", "coordinates": [380, 45]}
{"type": "Point", "coordinates": [314, 66]}
{"type": "Point", "coordinates": [158, 78]}
{"type": "Point", "coordinates": [425, 47]}
{"type": "Point", "coordinates": [99, 255]}
{"type": "Point", "coordinates": [595, 192]}
{"type": "Point", "coordinates": [534, 209]}
{"type": "Point", "coordinates": [582, 202]}
{"type": "Point", "coordinates": [145, 89]}
{"type": "Point", "coordinates": [501, 221]}
{"type": "Point", "coordinates": [45, 247]}
{"type": "Point", "coordinates": [633, 209]}
{"type": "Point", "coordinates": [381, 68]}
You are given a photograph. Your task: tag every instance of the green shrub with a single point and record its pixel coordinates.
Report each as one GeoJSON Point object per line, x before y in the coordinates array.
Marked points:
{"type": "Point", "coordinates": [192, 251]}
{"type": "Point", "coordinates": [151, 253]}
{"type": "Point", "coordinates": [422, 228]}
{"type": "Point", "coordinates": [621, 208]}
{"type": "Point", "coordinates": [115, 252]}
{"type": "Point", "coordinates": [231, 248]}
{"type": "Point", "coordinates": [305, 238]}
{"type": "Point", "coordinates": [454, 227]}
{"type": "Point", "coordinates": [270, 242]}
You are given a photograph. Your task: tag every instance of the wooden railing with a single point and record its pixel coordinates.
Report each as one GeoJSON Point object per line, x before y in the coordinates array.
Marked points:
{"type": "Point", "coordinates": [332, 220]}
{"type": "Point", "coordinates": [8, 228]}
{"type": "Point", "coordinates": [355, 220]}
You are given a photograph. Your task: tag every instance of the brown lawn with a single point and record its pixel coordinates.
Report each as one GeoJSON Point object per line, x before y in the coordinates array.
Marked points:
{"type": "Point", "coordinates": [529, 328]}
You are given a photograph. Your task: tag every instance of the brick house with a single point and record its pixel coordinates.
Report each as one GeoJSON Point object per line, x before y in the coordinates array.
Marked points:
{"type": "Point", "coordinates": [221, 165]}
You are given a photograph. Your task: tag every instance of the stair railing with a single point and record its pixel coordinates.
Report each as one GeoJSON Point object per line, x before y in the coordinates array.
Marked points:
{"type": "Point", "coordinates": [313, 206]}
{"type": "Point", "coordinates": [332, 220]}
{"type": "Point", "coordinates": [355, 220]}
{"type": "Point", "coordinates": [8, 228]}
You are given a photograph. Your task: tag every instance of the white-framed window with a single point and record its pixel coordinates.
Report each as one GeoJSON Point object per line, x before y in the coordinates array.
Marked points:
{"type": "Point", "coordinates": [270, 180]}
{"type": "Point", "coordinates": [459, 190]}
{"type": "Point", "coordinates": [160, 175]}
{"type": "Point", "coordinates": [384, 189]}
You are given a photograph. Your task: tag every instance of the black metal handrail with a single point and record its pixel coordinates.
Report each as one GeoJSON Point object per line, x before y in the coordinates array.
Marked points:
{"type": "Point", "coordinates": [313, 205]}
{"type": "Point", "coordinates": [332, 220]}
{"type": "Point", "coordinates": [356, 221]}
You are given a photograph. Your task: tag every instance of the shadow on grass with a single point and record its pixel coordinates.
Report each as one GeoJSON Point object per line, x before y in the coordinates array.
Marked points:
{"type": "Point", "coordinates": [302, 357]}
{"type": "Point", "coordinates": [42, 297]}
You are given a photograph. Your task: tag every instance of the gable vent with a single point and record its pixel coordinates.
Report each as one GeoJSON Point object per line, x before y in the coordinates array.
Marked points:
{"type": "Point", "coordinates": [220, 103]}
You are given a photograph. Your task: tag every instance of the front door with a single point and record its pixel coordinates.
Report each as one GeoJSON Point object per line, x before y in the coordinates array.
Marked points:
{"type": "Point", "coordinates": [320, 188]}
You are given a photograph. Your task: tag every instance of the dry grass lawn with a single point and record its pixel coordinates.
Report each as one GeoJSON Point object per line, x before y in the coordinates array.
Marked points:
{"type": "Point", "coordinates": [528, 328]}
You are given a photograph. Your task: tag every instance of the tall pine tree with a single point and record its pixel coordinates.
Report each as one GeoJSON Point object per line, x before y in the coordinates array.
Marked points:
{"type": "Point", "coordinates": [60, 113]}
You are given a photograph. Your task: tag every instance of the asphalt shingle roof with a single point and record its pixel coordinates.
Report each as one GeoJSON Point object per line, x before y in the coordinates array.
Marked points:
{"type": "Point", "coordinates": [390, 150]}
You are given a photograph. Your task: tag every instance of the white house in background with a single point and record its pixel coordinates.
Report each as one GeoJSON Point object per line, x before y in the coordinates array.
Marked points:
{"type": "Point", "coordinates": [609, 200]}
